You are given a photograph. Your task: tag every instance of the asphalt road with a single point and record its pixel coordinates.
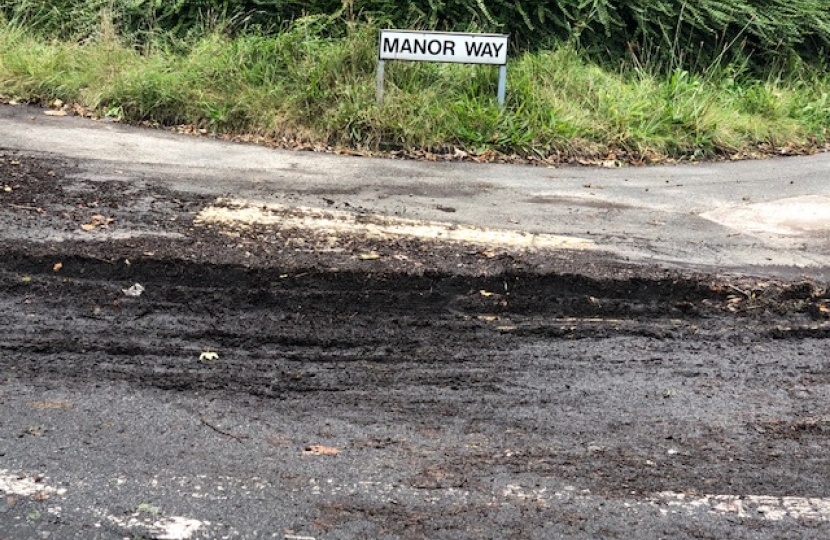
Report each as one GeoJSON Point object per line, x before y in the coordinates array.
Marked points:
{"type": "Point", "coordinates": [173, 366]}
{"type": "Point", "coordinates": [763, 217]}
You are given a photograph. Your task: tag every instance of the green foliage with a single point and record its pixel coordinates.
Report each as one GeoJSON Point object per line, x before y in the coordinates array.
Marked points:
{"type": "Point", "coordinates": [682, 34]}
{"type": "Point", "coordinates": [314, 81]}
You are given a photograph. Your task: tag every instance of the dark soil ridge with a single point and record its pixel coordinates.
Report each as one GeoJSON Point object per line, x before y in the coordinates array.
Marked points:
{"type": "Point", "coordinates": [652, 294]}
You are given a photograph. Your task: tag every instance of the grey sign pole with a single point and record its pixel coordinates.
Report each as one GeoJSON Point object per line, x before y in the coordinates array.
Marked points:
{"type": "Point", "coordinates": [502, 84]}
{"type": "Point", "coordinates": [379, 81]}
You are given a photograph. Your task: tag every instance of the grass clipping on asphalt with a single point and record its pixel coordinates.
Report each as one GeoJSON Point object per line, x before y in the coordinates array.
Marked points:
{"type": "Point", "coordinates": [303, 88]}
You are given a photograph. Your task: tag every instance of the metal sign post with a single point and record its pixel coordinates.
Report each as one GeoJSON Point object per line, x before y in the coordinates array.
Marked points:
{"type": "Point", "coordinates": [447, 47]}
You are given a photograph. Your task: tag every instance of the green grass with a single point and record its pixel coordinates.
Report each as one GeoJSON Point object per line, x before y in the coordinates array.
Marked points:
{"type": "Point", "coordinates": [303, 84]}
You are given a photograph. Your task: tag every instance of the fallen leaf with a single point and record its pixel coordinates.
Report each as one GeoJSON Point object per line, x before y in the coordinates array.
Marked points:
{"type": "Point", "coordinates": [57, 267]}
{"type": "Point", "coordinates": [319, 450]}
{"type": "Point", "coordinates": [824, 309]}
{"type": "Point", "coordinates": [51, 405]}
{"type": "Point", "coordinates": [371, 256]}
{"type": "Point", "coordinates": [486, 294]}
{"type": "Point", "coordinates": [489, 253]}
{"type": "Point", "coordinates": [26, 279]}
{"type": "Point", "coordinates": [487, 318]}
{"type": "Point", "coordinates": [207, 356]}
{"type": "Point", "coordinates": [145, 508]}
{"type": "Point", "coordinates": [54, 113]}
{"type": "Point", "coordinates": [34, 431]}
{"type": "Point", "coordinates": [134, 291]}
{"type": "Point", "coordinates": [97, 221]}
{"type": "Point", "coordinates": [40, 496]}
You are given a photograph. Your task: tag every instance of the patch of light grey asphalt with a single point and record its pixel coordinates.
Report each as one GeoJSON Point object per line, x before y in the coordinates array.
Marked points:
{"type": "Point", "coordinates": [786, 217]}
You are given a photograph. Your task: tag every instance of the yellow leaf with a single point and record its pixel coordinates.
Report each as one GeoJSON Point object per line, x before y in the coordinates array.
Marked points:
{"type": "Point", "coordinates": [57, 267]}
{"type": "Point", "coordinates": [371, 256]}
{"type": "Point", "coordinates": [319, 450]}
{"type": "Point", "coordinates": [54, 113]}
{"type": "Point", "coordinates": [25, 279]}
{"type": "Point", "coordinates": [485, 294]}
{"type": "Point", "coordinates": [51, 405]}
{"type": "Point", "coordinates": [97, 221]}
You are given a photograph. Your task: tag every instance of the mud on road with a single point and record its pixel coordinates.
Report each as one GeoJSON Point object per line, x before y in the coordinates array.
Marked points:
{"type": "Point", "coordinates": [387, 390]}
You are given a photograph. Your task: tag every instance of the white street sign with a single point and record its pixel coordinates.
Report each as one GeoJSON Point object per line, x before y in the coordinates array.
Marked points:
{"type": "Point", "coordinates": [443, 47]}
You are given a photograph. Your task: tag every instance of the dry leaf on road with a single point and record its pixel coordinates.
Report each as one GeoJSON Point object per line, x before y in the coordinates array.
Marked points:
{"type": "Point", "coordinates": [208, 356]}
{"type": "Point", "coordinates": [319, 450]}
{"type": "Point", "coordinates": [51, 405]}
{"type": "Point", "coordinates": [97, 221]}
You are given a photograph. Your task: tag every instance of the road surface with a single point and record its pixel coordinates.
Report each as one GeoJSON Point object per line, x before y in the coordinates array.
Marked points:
{"type": "Point", "coordinates": [202, 350]}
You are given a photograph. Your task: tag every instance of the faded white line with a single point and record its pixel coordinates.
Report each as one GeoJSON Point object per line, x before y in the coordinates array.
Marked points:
{"type": "Point", "coordinates": [749, 506]}
{"type": "Point", "coordinates": [242, 214]}
{"type": "Point", "coordinates": [26, 486]}
{"type": "Point", "coordinates": [762, 507]}
{"type": "Point", "coordinates": [166, 528]}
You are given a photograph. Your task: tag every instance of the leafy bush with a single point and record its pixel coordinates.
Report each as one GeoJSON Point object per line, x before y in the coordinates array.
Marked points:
{"type": "Point", "coordinates": [670, 33]}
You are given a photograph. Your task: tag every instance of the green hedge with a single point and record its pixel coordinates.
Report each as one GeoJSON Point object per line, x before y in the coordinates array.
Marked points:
{"type": "Point", "coordinates": [694, 32]}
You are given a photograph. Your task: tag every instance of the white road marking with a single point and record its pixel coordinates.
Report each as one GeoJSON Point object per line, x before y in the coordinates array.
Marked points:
{"type": "Point", "coordinates": [166, 528]}
{"type": "Point", "coordinates": [243, 214]}
{"type": "Point", "coordinates": [749, 506]}
{"type": "Point", "coordinates": [760, 507]}
{"type": "Point", "coordinates": [176, 528]}
{"type": "Point", "coordinates": [25, 486]}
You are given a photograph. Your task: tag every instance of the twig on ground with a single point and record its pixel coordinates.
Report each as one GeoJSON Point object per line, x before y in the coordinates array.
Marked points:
{"type": "Point", "coordinates": [221, 431]}
{"type": "Point", "coordinates": [26, 207]}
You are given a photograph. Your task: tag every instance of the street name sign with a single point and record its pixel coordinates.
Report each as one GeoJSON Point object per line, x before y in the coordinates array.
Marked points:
{"type": "Point", "coordinates": [449, 47]}
{"type": "Point", "coordinates": [443, 47]}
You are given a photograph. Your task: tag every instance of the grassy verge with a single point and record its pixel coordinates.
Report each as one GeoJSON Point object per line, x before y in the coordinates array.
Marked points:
{"type": "Point", "coordinates": [304, 87]}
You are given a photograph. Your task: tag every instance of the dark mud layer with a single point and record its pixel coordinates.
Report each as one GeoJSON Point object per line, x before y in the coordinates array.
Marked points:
{"type": "Point", "coordinates": [436, 370]}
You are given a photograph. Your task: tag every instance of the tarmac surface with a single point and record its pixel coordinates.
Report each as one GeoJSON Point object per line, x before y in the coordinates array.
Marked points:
{"type": "Point", "coordinates": [724, 216]}
{"type": "Point", "coordinates": [208, 340]}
